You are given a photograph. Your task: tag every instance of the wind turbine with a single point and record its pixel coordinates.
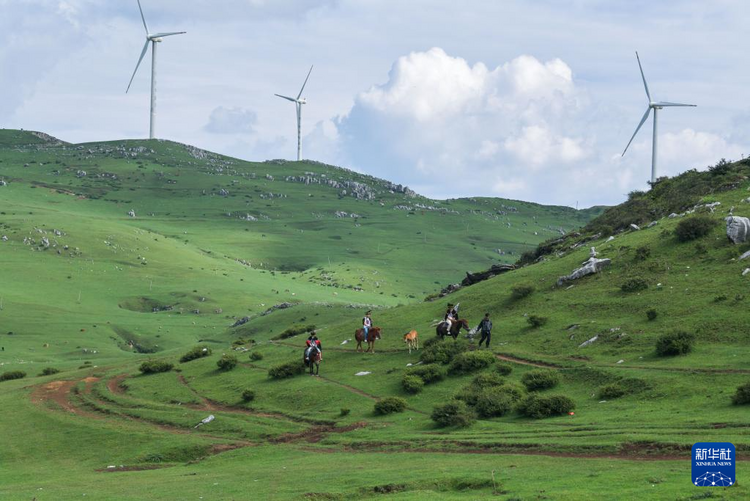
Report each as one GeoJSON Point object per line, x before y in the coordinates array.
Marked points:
{"type": "Point", "coordinates": [656, 106]}
{"type": "Point", "coordinates": [153, 39]}
{"type": "Point", "coordinates": [298, 103]}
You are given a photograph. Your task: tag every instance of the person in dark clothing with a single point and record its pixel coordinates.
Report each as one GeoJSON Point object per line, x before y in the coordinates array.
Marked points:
{"type": "Point", "coordinates": [486, 327]}
{"type": "Point", "coordinates": [313, 341]}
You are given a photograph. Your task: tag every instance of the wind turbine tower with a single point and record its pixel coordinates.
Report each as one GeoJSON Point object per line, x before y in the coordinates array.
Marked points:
{"type": "Point", "coordinates": [298, 102]}
{"type": "Point", "coordinates": [153, 39]}
{"type": "Point", "coordinates": [656, 106]}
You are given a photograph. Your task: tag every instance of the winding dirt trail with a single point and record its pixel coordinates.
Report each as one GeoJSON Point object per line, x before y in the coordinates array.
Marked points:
{"type": "Point", "coordinates": [521, 361]}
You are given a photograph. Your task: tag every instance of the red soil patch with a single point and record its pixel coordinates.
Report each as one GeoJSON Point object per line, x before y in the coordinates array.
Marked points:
{"type": "Point", "coordinates": [59, 393]}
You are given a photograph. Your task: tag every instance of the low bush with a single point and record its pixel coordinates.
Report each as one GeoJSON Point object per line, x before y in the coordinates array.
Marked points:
{"type": "Point", "coordinates": [248, 395]}
{"type": "Point", "coordinates": [494, 402]}
{"type": "Point", "coordinates": [535, 321]}
{"type": "Point", "coordinates": [454, 413]}
{"type": "Point", "coordinates": [436, 351]}
{"type": "Point", "coordinates": [256, 356]}
{"type": "Point", "coordinates": [642, 253]}
{"type": "Point", "coordinates": [742, 396]}
{"type": "Point", "coordinates": [541, 406]}
{"type": "Point", "coordinates": [430, 373]}
{"type": "Point", "coordinates": [540, 379]}
{"type": "Point", "coordinates": [471, 361]}
{"type": "Point", "coordinates": [389, 405]}
{"type": "Point", "coordinates": [652, 314]}
{"type": "Point", "coordinates": [226, 362]}
{"type": "Point", "coordinates": [468, 394]}
{"type": "Point", "coordinates": [520, 291]}
{"type": "Point", "coordinates": [195, 353]}
{"type": "Point", "coordinates": [675, 343]}
{"type": "Point", "coordinates": [286, 370]}
{"type": "Point", "coordinates": [412, 384]}
{"type": "Point", "coordinates": [49, 371]}
{"type": "Point", "coordinates": [487, 380]}
{"type": "Point", "coordinates": [9, 375]}
{"type": "Point", "coordinates": [294, 330]}
{"type": "Point", "coordinates": [635, 284]}
{"type": "Point", "coordinates": [344, 412]}
{"type": "Point", "coordinates": [155, 366]}
{"type": "Point", "coordinates": [694, 227]}
{"type": "Point", "coordinates": [612, 391]}
{"type": "Point", "coordinates": [503, 369]}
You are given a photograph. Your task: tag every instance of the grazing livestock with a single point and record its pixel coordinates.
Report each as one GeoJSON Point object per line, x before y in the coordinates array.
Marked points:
{"type": "Point", "coordinates": [411, 339]}
{"type": "Point", "coordinates": [372, 336]}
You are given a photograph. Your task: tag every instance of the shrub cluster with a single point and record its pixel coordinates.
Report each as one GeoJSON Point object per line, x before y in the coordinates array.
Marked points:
{"type": "Point", "coordinates": [535, 321]}
{"type": "Point", "coordinates": [286, 370]}
{"type": "Point", "coordinates": [454, 413]}
{"type": "Point", "coordinates": [694, 227]}
{"type": "Point", "coordinates": [675, 343]}
{"type": "Point", "coordinates": [390, 405]}
{"type": "Point", "coordinates": [226, 362]}
{"type": "Point", "coordinates": [256, 356]}
{"type": "Point", "coordinates": [541, 406]}
{"type": "Point", "coordinates": [248, 395]}
{"type": "Point", "coordinates": [612, 391]}
{"type": "Point", "coordinates": [412, 384]}
{"type": "Point", "coordinates": [7, 376]}
{"type": "Point", "coordinates": [155, 366]}
{"type": "Point", "coordinates": [540, 379]}
{"type": "Point", "coordinates": [652, 314]}
{"type": "Point", "coordinates": [520, 291]}
{"type": "Point", "coordinates": [435, 351]}
{"type": "Point", "coordinates": [494, 402]}
{"type": "Point", "coordinates": [294, 330]}
{"type": "Point", "coordinates": [642, 253]}
{"type": "Point", "coordinates": [742, 396]}
{"type": "Point", "coordinates": [195, 353]}
{"type": "Point", "coordinates": [487, 379]}
{"type": "Point", "coordinates": [430, 373]}
{"type": "Point", "coordinates": [503, 369]}
{"type": "Point", "coordinates": [48, 371]}
{"type": "Point", "coordinates": [635, 284]}
{"type": "Point", "coordinates": [470, 361]}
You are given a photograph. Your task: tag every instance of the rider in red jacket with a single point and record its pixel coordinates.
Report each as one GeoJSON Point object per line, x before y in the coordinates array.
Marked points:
{"type": "Point", "coordinates": [313, 340]}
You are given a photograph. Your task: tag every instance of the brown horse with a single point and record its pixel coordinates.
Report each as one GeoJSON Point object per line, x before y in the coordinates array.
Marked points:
{"type": "Point", "coordinates": [442, 328]}
{"type": "Point", "coordinates": [372, 335]}
{"type": "Point", "coordinates": [411, 339]}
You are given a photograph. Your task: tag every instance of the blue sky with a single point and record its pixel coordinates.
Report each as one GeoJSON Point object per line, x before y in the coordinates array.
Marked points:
{"type": "Point", "coordinates": [525, 100]}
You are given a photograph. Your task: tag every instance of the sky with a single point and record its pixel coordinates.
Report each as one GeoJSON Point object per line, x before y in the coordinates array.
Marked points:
{"type": "Point", "coordinates": [528, 100]}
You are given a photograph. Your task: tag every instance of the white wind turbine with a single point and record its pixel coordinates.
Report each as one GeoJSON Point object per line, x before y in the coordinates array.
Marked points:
{"type": "Point", "coordinates": [153, 39]}
{"type": "Point", "coordinates": [656, 106]}
{"type": "Point", "coordinates": [298, 102]}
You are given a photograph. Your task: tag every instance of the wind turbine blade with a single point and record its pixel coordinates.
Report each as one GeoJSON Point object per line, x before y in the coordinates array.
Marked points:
{"type": "Point", "coordinates": [160, 35]}
{"type": "Point", "coordinates": [667, 103]}
{"type": "Point", "coordinates": [645, 116]}
{"type": "Point", "coordinates": [645, 85]}
{"type": "Point", "coordinates": [287, 98]}
{"type": "Point", "coordinates": [303, 85]}
{"type": "Point", "coordinates": [143, 53]}
{"type": "Point", "coordinates": [143, 17]}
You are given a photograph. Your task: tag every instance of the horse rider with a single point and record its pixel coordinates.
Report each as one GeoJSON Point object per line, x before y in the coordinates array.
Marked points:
{"type": "Point", "coordinates": [313, 341]}
{"type": "Point", "coordinates": [451, 315]}
{"type": "Point", "coordinates": [486, 328]}
{"type": "Point", "coordinates": [367, 323]}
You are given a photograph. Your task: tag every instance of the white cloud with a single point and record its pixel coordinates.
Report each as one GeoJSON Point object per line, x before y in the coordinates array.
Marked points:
{"type": "Point", "coordinates": [691, 149]}
{"type": "Point", "coordinates": [231, 121]}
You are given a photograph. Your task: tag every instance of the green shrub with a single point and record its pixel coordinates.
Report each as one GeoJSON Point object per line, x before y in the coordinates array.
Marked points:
{"type": "Point", "coordinates": [694, 227]}
{"type": "Point", "coordinates": [412, 384]}
{"type": "Point", "coordinates": [742, 396]}
{"type": "Point", "coordinates": [436, 351]}
{"type": "Point", "coordinates": [652, 314]}
{"type": "Point", "coordinates": [226, 362]}
{"type": "Point", "coordinates": [286, 370]}
{"type": "Point", "coordinates": [520, 291]}
{"type": "Point", "coordinates": [612, 391]}
{"type": "Point", "coordinates": [503, 369]}
{"type": "Point", "coordinates": [642, 253]}
{"type": "Point", "coordinates": [468, 394]}
{"type": "Point", "coordinates": [541, 406]}
{"type": "Point", "coordinates": [294, 330]}
{"type": "Point", "coordinates": [494, 402]}
{"type": "Point", "coordinates": [540, 379]}
{"type": "Point", "coordinates": [454, 413]}
{"type": "Point", "coordinates": [256, 356]}
{"type": "Point", "coordinates": [430, 373]}
{"type": "Point", "coordinates": [195, 353]}
{"type": "Point", "coordinates": [155, 366]}
{"type": "Point", "coordinates": [634, 285]}
{"type": "Point", "coordinates": [470, 361]}
{"type": "Point", "coordinates": [487, 380]}
{"type": "Point", "coordinates": [675, 343]}
{"type": "Point", "coordinates": [248, 395]}
{"type": "Point", "coordinates": [344, 412]}
{"type": "Point", "coordinates": [535, 321]}
{"type": "Point", "coordinates": [390, 405]}
{"type": "Point", "coordinates": [9, 375]}
{"type": "Point", "coordinates": [49, 371]}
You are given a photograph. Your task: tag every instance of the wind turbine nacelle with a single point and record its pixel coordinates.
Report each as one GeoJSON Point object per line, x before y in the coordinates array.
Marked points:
{"type": "Point", "coordinates": [155, 39]}
{"type": "Point", "coordinates": [302, 101]}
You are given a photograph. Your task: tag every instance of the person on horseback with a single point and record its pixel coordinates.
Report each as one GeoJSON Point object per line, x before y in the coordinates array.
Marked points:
{"type": "Point", "coordinates": [366, 323]}
{"type": "Point", "coordinates": [451, 315]}
{"type": "Point", "coordinates": [313, 341]}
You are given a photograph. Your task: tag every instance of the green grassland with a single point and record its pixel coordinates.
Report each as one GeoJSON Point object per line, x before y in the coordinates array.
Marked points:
{"type": "Point", "coordinates": [319, 438]}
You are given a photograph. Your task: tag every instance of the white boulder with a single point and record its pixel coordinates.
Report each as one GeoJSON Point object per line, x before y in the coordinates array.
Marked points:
{"type": "Point", "coordinates": [738, 229]}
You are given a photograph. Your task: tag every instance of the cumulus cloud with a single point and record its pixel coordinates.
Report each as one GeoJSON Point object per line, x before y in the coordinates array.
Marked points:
{"type": "Point", "coordinates": [231, 121]}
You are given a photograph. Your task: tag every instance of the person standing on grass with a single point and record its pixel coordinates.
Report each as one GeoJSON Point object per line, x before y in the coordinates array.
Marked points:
{"type": "Point", "coordinates": [486, 327]}
{"type": "Point", "coordinates": [367, 323]}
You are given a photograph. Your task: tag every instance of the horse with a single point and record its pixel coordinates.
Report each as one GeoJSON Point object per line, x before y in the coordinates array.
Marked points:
{"type": "Point", "coordinates": [312, 357]}
{"type": "Point", "coordinates": [442, 328]}
{"type": "Point", "coordinates": [412, 340]}
{"type": "Point", "coordinates": [372, 335]}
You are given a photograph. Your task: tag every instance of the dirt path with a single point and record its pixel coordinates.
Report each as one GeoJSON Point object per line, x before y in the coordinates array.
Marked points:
{"type": "Point", "coordinates": [521, 361]}
{"type": "Point", "coordinates": [351, 349]}
{"type": "Point", "coordinates": [59, 393]}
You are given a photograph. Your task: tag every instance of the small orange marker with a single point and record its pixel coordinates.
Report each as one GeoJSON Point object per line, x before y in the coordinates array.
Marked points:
{"type": "Point", "coordinates": [571, 413]}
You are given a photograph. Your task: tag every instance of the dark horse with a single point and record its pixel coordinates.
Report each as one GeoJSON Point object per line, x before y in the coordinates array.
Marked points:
{"type": "Point", "coordinates": [312, 359]}
{"type": "Point", "coordinates": [372, 335]}
{"type": "Point", "coordinates": [442, 328]}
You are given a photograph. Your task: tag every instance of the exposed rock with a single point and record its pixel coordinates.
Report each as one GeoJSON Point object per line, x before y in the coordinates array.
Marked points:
{"type": "Point", "coordinates": [496, 269]}
{"type": "Point", "coordinates": [586, 343]}
{"type": "Point", "coordinates": [738, 229]}
{"type": "Point", "coordinates": [5, 238]}
{"type": "Point", "coordinates": [610, 239]}
{"type": "Point", "coordinates": [45, 242]}
{"type": "Point", "coordinates": [672, 216]}
{"type": "Point", "coordinates": [592, 253]}
{"type": "Point", "coordinates": [241, 321]}
{"type": "Point", "coordinates": [635, 227]}
{"type": "Point", "coordinates": [747, 270]}
{"type": "Point", "coordinates": [593, 265]}
{"type": "Point", "coordinates": [652, 224]}
{"type": "Point", "coordinates": [744, 256]}
{"type": "Point", "coordinates": [223, 192]}
{"type": "Point", "coordinates": [3, 183]}
{"type": "Point", "coordinates": [80, 173]}
{"type": "Point", "coordinates": [131, 213]}
{"type": "Point", "coordinates": [281, 306]}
